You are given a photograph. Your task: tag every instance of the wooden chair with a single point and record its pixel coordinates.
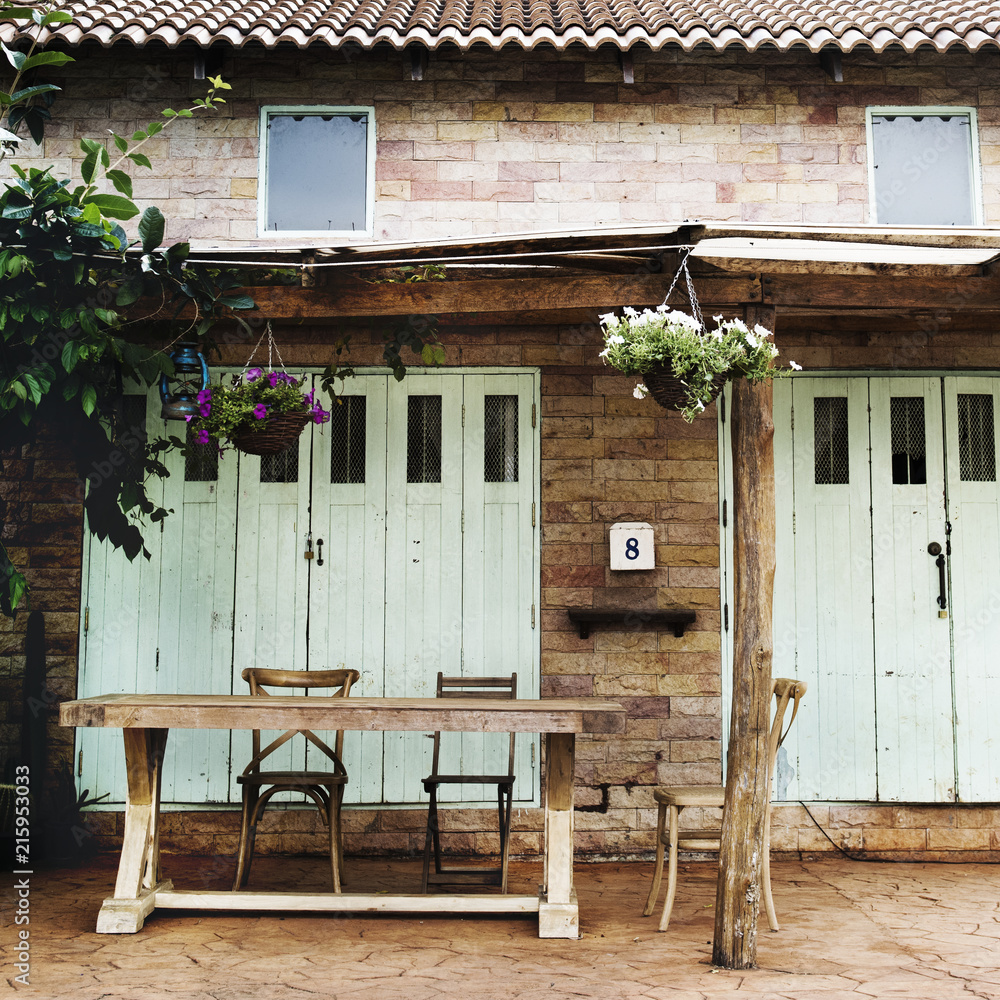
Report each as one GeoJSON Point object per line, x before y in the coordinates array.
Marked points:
{"type": "Point", "coordinates": [325, 788]}
{"type": "Point", "coordinates": [469, 687]}
{"type": "Point", "coordinates": [672, 800]}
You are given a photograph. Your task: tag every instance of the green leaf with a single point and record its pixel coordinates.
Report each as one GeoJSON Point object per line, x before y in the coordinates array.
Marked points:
{"type": "Point", "coordinates": [151, 228]}
{"type": "Point", "coordinates": [70, 355]}
{"type": "Point", "coordinates": [129, 291]}
{"type": "Point", "coordinates": [88, 399]}
{"type": "Point", "coordinates": [40, 88]}
{"type": "Point", "coordinates": [114, 207]}
{"type": "Point", "coordinates": [34, 389]}
{"type": "Point", "coordinates": [54, 17]}
{"type": "Point", "coordinates": [15, 58]}
{"type": "Point", "coordinates": [237, 301]}
{"type": "Point", "coordinates": [19, 13]}
{"type": "Point", "coordinates": [141, 159]}
{"type": "Point", "coordinates": [14, 212]}
{"type": "Point", "coordinates": [121, 181]}
{"type": "Point", "coordinates": [121, 143]}
{"type": "Point", "coordinates": [88, 169]}
{"type": "Point", "coordinates": [46, 59]}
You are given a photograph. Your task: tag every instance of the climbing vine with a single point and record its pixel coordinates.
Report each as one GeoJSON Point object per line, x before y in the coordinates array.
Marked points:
{"type": "Point", "coordinates": [68, 269]}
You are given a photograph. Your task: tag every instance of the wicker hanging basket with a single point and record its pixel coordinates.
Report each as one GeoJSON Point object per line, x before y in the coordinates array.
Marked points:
{"type": "Point", "coordinates": [669, 391]}
{"type": "Point", "coordinates": [273, 436]}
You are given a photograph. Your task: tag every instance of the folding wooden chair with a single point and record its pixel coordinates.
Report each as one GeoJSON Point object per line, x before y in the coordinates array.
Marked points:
{"type": "Point", "coordinates": [673, 800]}
{"type": "Point", "coordinates": [325, 788]}
{"type": "Point", "coordinates": [469, 687]}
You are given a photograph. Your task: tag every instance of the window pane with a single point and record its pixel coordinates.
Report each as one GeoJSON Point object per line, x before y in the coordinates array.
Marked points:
{"type": "Point", "coordinates": [281, 468]}
{"type": "Point", "coordinates": [977, 456]}
{"type": "Point", "coordinates": [423, 444]}
{"type": "Point", "coordinates": [347, 432]}
{"type": "Point", "coordinates": [923, 169]}
{"type": "Point", "coordinates": [317, 172]}
{"type": "Point", "coordinates": [500, 445]}
{"type": "Point", "coordinates": [909, 453]}
{"type": "Point", "coordinates": [831, 465]}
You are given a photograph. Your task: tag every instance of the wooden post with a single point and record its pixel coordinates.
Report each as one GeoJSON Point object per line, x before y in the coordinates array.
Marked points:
{"type": "Point", "coordinates": [741, 857]}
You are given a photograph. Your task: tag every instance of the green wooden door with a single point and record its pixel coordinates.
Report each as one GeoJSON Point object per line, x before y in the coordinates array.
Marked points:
{"type": "Point", "coordinates": [417, 503]}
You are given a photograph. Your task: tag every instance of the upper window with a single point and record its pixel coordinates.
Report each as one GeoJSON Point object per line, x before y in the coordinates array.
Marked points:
{"type": "Point", "coordinates": [924, 166]}
{"type": "Point", "coordinates": [317, 170]}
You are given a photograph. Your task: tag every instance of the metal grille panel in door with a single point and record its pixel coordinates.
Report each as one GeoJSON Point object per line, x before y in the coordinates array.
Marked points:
{"type": "Point", "coordinates": [348, 439]}
{"type": "Point", "coordinates": [201, 461]}
{"type": "Point", "coordinates": [909, 448]}
{"type": "Point", "coordinates": [423, 439]}
{"type": "Point", "coordinates": [280, 468]}
{"type": "Point", "coordinates": [831, 463]}
{"type": "Point", "coordinates": [976, 447]}
{"type": "Point", "coordinates": [500, 440]}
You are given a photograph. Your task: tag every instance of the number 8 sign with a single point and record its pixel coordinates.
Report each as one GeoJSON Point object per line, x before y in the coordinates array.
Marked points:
{"type": "Point", "coordinates": [632, 546]}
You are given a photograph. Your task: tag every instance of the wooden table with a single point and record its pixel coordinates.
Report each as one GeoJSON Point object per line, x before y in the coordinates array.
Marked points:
{"type": "Point", "coordinates": [145, 720]}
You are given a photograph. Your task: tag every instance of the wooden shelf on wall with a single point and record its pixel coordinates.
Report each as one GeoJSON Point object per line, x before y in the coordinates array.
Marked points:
{"type": "Point", "coordinates": [630, 619]}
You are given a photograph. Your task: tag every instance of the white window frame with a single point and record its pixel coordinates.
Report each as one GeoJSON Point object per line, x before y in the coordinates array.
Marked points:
{"type": "Point", "coordinates": [926, 111]}
{"type": "Point", "coordinates": [269, 110]}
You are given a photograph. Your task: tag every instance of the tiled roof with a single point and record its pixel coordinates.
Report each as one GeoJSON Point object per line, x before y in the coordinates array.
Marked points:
{"type": "Point", "coordinates": [841, 24]}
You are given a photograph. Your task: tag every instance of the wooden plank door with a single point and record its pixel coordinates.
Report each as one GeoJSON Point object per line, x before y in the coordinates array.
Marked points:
{"type": "Point", "coordinates": [194, 617]}
{"type": "Point", "coordinates": [972, 414]}
{"type": "Point", "coordinates": [348, 590]}
{"type": "Point", "coordinates": [423, 551]}
{"type": "Point", "coordinates": [499, 599]}
{"type": "Point", "coordinates": [118, 635]}
{"type": "Point", "coordinates": [915, 738]}
{"type": "Point", "coordinates": [272, 578]}
{"type": "Point", "coordinates": [823, 590]}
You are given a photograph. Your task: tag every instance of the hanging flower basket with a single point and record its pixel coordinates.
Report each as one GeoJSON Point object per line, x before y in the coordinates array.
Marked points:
{"type": "Point", "coordinates": [273, 436]}
{"type": "Point", "coordinates": [685, 365]}
{"type": "Point", "coordinates": [669, 391]}
{"type": "Point", "coordinates": [259, 413]}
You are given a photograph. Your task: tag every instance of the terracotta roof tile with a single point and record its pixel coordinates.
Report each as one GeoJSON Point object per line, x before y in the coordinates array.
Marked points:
{"type": "Point", "coordinates": [845, 24]}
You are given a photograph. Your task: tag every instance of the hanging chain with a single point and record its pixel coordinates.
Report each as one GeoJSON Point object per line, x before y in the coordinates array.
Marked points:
{"type": "Point", "coordinates": [272, 349]}
{"type": "Point", "coordinates": [689, 287]}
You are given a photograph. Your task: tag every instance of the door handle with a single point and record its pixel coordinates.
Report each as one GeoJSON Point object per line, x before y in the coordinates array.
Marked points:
{"type": "Point", "coordinates": [319, 551]}
{"type": "Point", "coordinates": [934, 549]}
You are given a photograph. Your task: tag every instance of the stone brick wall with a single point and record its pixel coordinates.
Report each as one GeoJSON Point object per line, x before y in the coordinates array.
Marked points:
{"type": "Point", "coordinates": [533, 141]}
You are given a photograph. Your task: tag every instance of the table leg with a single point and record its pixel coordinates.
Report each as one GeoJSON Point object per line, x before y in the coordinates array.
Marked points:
{"type": "Point", "coordinates": [558, 913]}
{"type": "Point", "coordinates": [139, 867]}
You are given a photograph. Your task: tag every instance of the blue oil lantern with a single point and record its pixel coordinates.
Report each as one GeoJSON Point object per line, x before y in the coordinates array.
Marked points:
{"type": "Point", "coordinates": [179, 392]}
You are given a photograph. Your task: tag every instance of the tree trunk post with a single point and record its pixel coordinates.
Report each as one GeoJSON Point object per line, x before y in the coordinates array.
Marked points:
{"type": "Point", "coordinates": [741, 858]}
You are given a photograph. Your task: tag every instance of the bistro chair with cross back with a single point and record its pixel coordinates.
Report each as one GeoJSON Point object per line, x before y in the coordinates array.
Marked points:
{"type": "Point", "coordinates": [480, 688]}
{"type": "Point", "coordinates": [324, 787]}
{"type": "Point", "coordinates": [672, 800]}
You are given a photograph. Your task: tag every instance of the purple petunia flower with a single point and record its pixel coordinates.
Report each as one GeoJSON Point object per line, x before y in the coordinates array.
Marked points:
{"type": "Point", "coordinates": [205, 409]}
{"type": "Point", "coordinates": [204, 396]}
{"type": "Point", "coordinates": [260, 411]}
{"type": "Point", "coordinates": [201, 437]}
{"type": "Point", "coordinates": [311, 397]}
{"type": "Point", "coordinates": [254, 374]}
{"type": "Point", "coordinates": [319, 415]}
{"type": "Point", "coordinates": [188, 417]}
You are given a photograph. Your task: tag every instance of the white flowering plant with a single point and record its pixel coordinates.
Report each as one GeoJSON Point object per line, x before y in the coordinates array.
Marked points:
{"type": "Point", "coordinates": [678, 344]}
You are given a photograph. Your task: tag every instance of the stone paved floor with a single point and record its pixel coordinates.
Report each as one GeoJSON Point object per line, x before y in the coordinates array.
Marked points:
{"type": "Point", "coordinates": [850, 929]}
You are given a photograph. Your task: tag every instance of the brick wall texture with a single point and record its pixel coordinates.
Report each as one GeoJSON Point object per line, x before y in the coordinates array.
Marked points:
{"type": "Point", "coordinates": [515, 141]}
{"type": "Point", "coordinates": [488, 143]}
